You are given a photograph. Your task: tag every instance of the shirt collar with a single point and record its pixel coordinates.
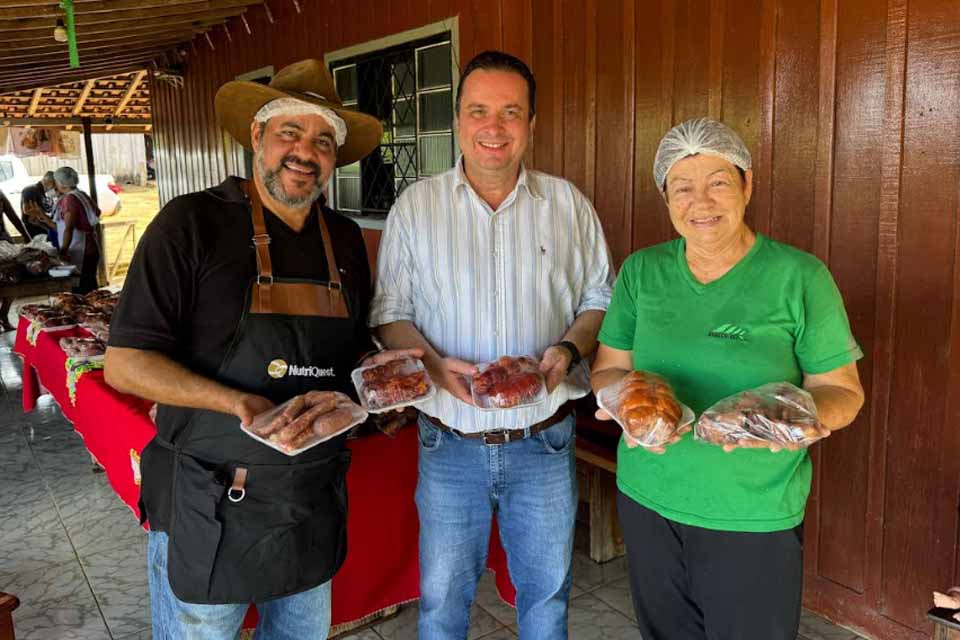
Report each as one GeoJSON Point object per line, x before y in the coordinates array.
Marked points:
{"type": "Point", "coordinates": [527, 180]}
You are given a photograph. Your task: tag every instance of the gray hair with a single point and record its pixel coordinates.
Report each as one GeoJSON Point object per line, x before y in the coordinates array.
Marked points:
{"type": "Point", "coordinates": [66, 177]}
{"type": "Point", "coordinates": [693, 137]}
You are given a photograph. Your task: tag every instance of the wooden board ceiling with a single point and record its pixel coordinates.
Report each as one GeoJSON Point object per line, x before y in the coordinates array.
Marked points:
{"type": "Point", "coordinates": [118, 103]}
{"type": "Point", "coordinates": [113, 36]}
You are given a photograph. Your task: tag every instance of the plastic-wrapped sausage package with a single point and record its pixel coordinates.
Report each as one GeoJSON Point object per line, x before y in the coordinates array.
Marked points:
{"type": "Point", "coordinates": [508, 383]}
{"type": "Point", "coordinates": [778, 413]}
{"type": "Point", "coordinates": [395, 384]}
{"type": "Point", "coordinates": [304, 421]}
{"type": "Point", "coordinates": [83, 348]}
{"type": "Point", "coordinates": [644, 406]}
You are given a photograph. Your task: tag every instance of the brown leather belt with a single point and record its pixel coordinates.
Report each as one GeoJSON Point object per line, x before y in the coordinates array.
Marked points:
{"type": "Point", "coordinates": [503, 436]}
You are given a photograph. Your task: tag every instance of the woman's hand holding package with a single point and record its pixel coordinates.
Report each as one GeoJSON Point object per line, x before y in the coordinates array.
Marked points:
{"type": "Point", "coordinates": [645, 406]}
{"type": "Point", "coordinates": [774, 416]}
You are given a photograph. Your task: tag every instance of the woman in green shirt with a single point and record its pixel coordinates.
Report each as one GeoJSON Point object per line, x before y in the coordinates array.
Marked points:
{"type": "Point", "coordinates": [714, 536]}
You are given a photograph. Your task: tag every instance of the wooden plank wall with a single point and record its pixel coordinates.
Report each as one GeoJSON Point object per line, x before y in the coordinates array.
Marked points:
{"type": "Point", "coordinates": [849, 108]}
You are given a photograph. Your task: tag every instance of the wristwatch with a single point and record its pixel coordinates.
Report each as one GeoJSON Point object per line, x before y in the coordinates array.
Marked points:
{"type": "Point", "coordinates": [575, 356]}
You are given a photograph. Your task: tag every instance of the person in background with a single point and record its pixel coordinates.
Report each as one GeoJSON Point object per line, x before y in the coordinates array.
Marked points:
{"type": "Point", "coordinates": [37, 203]}
{"type": "Point", "coordinates": [76, 217]}
{"type": "Point", "coordinates": [8, 212]}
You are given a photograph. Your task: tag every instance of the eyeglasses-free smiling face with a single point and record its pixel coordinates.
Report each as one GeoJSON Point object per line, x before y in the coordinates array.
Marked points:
{"type": "Point", "coordinates": [494, 126]}
{"type": "Point", "coordinates": [707, 199]}
{"type": "Point", "coordinates": [295, 156]}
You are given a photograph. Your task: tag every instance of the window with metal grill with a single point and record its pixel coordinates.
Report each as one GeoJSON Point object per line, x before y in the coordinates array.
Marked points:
{"type": "Point", "coordinates": [410, 89]}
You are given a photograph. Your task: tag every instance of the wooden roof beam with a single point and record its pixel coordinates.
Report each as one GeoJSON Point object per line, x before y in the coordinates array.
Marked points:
{"type": "Point", "coordinates": [94, 44]}
{"type": "Point", "coordinates": [13, 81]}
{"type": "Point", "coordinates": [60, 122]}
{"type": "Point", "coordinates": [77, 108]}
{"type": "Point", "coordinates": [35, 102]}
{"type": "Point", "coordinates": [91, 54]}
{"type": "Point", "coordinates": [134, 85]}
{"type": "Point", "coordinates": [182, 21]}
{"type": "Point", "coordinates": [52, 10]}
{"type": "Point", "coordinates": [136, 17]}
{"type": "Point", "coordinates": [187, 30]}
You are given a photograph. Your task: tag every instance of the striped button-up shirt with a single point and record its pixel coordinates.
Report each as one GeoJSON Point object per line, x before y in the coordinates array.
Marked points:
{"type": "Point", "coordinates": [479, 283]}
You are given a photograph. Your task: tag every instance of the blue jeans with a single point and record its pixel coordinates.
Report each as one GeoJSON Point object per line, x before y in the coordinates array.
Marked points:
{"type": "Point", "coordinates": [302, 616]}
{"type": "Point", "coordinates": [531, 487]}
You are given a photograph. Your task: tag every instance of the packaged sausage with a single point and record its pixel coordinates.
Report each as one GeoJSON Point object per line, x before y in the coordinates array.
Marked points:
{"type": "Point", "coordinates": [31, 311]}
{"type": "Point", "coordinates": [509, 382]}
{"type": "Point", "coordinates": [304, 421]}
{"type": "Point", "coordinates": [68, 300]}
{"type": "Point", "coordinates": [778, 413]}
{"type": "Point", "coordinates": [644, 406]}
{"type": "Point", "coordinates": [96, 327]}
{"type": "Point", "coordinates": [83, 348]}
{"type": "Point", "coordinates": [395, 384]}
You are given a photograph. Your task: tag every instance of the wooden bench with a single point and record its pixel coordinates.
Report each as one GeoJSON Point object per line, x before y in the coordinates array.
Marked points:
{"type": "Point", "coordinates": [945, 626]}
{"type": "Point", "coordinates": [596, 453]}
{"type": "Point", "coordinates": [7, 604]}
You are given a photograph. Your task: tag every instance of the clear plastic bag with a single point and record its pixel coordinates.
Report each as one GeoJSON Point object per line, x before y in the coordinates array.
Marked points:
{"type": "Point", "coordinates": [78, 349]}
{"type": "Point", "coordinates": [33, 311]}
{"type": "Point", "coordinates": [304, 421]}
{"type": "Point", "coordinates": [644, 406]}
{"type": "Point", "coordinates": [393, 385]}
{"type": "Point", "coordinates": [778, 413]}
{"type": "Point", "coordinates": [509, 382]}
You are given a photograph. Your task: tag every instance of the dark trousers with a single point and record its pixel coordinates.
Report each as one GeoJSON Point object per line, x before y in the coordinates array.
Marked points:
{"type": "Point", "coordinates": [88, 274]}
{"type": "Point", "coordinates": [690, 583]}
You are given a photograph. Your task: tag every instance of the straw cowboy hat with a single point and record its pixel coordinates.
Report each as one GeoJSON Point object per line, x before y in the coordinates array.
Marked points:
{"type": "Point", "coordinates": [309, 80]}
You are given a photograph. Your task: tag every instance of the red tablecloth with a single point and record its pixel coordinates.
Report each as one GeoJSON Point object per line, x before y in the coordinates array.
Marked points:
{"type": "Point", "coordinates": [381, 568]}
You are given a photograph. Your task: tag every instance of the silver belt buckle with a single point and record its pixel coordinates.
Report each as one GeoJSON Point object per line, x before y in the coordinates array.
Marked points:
{"type": "Point", "coordinates": [500, 436]}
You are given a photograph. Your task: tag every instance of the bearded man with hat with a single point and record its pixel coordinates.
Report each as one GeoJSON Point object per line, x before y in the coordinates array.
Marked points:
{"type": "Point", "coordinates": [238, 298]}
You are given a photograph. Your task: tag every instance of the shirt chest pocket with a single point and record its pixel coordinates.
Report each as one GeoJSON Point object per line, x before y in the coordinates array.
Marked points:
{"type": "Point", "coordinates": [427, 286]}
{"type": "Point", "coordinates": [557, 276]}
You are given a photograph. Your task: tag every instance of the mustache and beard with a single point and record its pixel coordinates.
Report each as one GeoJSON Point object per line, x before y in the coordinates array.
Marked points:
{"type": "Point", "coordinates": [271, 180]}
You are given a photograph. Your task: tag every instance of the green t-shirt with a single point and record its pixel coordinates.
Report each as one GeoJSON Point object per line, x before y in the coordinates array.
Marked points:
{"type": "Point", "coordinates": [776, 315]}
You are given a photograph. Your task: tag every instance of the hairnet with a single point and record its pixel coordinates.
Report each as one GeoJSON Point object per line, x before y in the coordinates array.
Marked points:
{"type": "Point", "coordinates": [294, 107]}
{"type": "Point", "coordinates": [67, 177]}
{"type": "Point", "coordinates": [701, 135]}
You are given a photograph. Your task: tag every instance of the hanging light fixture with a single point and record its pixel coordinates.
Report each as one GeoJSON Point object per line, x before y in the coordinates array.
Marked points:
{"type": "Point", "coordinates": [60, 31]}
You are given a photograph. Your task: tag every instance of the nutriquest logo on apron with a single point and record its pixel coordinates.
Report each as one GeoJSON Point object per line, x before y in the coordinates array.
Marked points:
{"type": "Point", "coordinates": [279, 368]}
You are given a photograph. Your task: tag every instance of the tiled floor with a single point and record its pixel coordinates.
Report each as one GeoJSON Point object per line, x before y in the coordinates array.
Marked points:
{"type": "Point", "coordinates": [74, 555]}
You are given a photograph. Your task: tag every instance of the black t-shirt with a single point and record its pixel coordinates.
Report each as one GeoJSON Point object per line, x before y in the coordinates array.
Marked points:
{"type": "Point", "coordinates": [185, 291]}
{"type": "Point", "coordinates": [36, 193]}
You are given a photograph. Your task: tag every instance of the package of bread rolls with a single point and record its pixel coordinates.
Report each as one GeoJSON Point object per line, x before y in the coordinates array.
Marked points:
{"type": "Point", "coordinates": [645, 407]}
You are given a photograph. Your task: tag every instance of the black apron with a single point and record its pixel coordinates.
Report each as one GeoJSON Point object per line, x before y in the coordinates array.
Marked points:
{"type": "Point", "coordinates": [246, 522]}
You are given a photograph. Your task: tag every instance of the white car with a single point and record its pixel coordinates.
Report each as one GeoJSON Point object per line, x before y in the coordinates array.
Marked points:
{"type": "Point", "coordinates": [14, 179]}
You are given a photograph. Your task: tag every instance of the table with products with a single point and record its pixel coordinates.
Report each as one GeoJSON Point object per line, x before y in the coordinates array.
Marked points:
{"type": "Point", "coordinates": [381, 569]}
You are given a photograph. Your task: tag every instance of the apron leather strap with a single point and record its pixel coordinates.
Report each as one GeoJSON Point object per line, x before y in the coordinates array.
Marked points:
{"type": "Point", "coordinates": [261, 242]}
{"type": "Point", "coordinates": [238, 490]}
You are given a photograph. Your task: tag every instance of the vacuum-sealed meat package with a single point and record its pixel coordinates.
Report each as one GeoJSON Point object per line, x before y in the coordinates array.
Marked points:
{"type": "Point", "coordinates": [82, 348]}
{"type": "Point", "coordinates": [32, 311]}
{"type": "Point", "coordinates": [507, 383]}
{"type": "Point", "coordinates": [645, 407]}
{"type": "Point", "coordinates": [777, 413]}
{"type": "Point", "coordinates": [304, 421]}
{"type": "Point", "coordinates": [392, 385]}
{"type": "Point", "coordinates": [68, 302]}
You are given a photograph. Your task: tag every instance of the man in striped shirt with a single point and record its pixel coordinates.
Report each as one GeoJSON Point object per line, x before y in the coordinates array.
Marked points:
{"type": "Point", "coordinates": [485, 260]}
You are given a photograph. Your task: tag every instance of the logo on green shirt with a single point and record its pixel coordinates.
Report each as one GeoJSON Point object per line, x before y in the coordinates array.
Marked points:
{"type": "Point", "coordinates": [729, 332]}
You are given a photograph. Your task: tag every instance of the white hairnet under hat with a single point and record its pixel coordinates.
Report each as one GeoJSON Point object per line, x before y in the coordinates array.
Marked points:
{"type": "Point", "coordinates": [701, 135]}
{"type": "Point", "coordinates": [294, 107]}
